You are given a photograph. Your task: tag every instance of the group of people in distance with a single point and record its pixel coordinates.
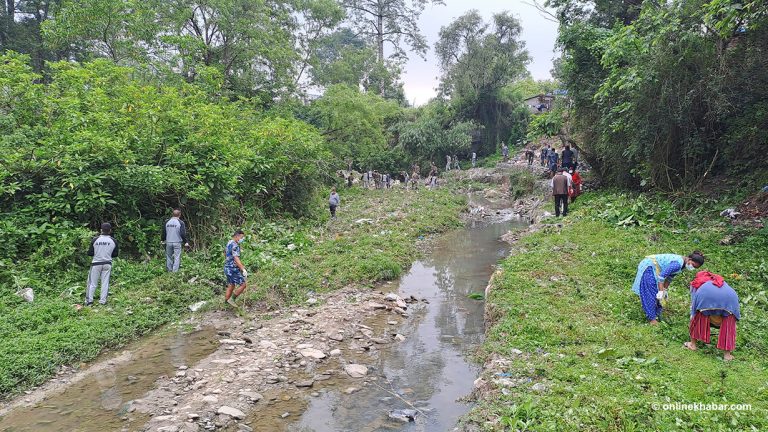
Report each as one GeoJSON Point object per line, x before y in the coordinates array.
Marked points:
{"type": "Point", "coordinates": [714, 304]}
{"type": "Point", "coordinates": [565, 179]}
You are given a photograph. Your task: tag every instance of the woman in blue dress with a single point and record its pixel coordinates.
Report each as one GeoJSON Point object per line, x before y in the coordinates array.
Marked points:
{"type": "Point", "coordinates": [655, 273]}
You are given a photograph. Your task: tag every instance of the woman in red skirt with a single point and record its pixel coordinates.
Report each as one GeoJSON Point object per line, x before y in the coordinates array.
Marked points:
{"type": "Point", "coordinates": [713, 304]}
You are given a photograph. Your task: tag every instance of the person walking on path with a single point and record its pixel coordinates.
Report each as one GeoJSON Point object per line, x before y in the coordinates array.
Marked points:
{"type": "Point", "coordinates": [529, 154]}
{"type": "Point", "coordinates": [655, 273]}
{"type": "Point", "coordinates": [505, 152]}
{"type": "Point", "coordinates": [552, 159]}
{"type": "Point", "coordinates": [174, 234]}
{"type": "Point", "coordinates": [456, 163]}
{"type": "Point", "coordinates": [544, 154]}
{"type": "Point", "coordinates": [234, 269]}
{"type": "Point", "coordinates": [567, 157]}
{"type": "Point", "coordinates": [333, 202]}
{"type": "Point", "coordinates": [713, 303]}
{"type": "Point", "coordinates": [103, 249]}
{"type": "Point", "coordinates": [474, 159]}
{"type": "Point", "coordinates": [559, 185]}
{"type": "Point", "coordinates": [447, 162]}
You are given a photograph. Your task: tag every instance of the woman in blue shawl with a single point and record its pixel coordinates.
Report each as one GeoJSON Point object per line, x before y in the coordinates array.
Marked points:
{"type": "Point", "coordinates": [655, 273]}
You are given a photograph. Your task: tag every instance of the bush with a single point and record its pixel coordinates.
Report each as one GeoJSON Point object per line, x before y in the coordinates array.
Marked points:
{"type": "Point", "coordinates": [96, 143]}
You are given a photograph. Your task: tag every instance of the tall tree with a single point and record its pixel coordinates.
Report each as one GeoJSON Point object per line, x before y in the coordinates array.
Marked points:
{"type": "Point", "coordinates": [390, 21]}
{"type": "Point", "coordinates": [478, 60]}
{"type": "Point", "coordinates": [20, 23]}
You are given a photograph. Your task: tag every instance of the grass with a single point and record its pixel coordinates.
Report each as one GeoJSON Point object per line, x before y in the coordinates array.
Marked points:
{"type": "Point", "coordinates": [39, 337]}
{"type": "Point", "coordinates": [564, 299]}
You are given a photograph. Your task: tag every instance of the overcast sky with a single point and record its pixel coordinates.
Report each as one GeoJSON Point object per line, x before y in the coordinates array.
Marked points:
{"type": "Point", "coordinates": [421, 77]}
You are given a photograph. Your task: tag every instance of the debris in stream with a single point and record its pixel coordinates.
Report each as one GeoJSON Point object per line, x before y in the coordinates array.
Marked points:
{"type": "Point", "coordinates": [403, 415]}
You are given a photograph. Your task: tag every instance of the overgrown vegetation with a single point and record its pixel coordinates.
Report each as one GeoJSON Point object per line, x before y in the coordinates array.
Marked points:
{"type": "Point", "coordinates": [564, 299]}
{"type": "Point", "coordinates": [666, 94]}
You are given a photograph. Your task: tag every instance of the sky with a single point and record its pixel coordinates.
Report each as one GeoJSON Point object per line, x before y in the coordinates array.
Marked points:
{"type": "Point", "coordinates": [421, 77]}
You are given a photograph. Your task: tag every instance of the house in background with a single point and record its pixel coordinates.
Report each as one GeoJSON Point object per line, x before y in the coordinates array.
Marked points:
{"type": "Point", "coordinates": [540, 103]}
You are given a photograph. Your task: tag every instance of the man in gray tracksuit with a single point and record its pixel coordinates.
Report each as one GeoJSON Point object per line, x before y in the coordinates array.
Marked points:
{"type": "Point", "coordinates": [173, 236]}
{"type": "Point", "coordinates": [103, 249]}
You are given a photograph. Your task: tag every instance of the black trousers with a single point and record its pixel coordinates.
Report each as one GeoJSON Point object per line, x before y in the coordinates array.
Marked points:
{"type": "Point", "coordinates": [561, 201]}
{"type": "Point", "coordinates": [333, 210]}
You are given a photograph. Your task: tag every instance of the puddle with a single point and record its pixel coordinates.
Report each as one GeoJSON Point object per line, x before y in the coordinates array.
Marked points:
{"type": "Point", "coordinates": [431, 370]}
{"type": "Point", "coordinates": [98, 402]}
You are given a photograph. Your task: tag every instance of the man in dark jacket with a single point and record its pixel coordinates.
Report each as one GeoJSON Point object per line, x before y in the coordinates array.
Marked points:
{"type": "Point", "coordinates": [567, 157]}
{"type": "Point", "coordinates": [103, 249]}
{"type": "Point", "coordinates": [560, 192]}
{"type": "Point", "coordinates": [174, 234]}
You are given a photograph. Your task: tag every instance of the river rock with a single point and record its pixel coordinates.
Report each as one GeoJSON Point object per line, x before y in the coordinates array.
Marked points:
{"type": "Point", "coordinates": [391, 297]}
{"type": "Point", "coordinates": [335, 352]}
{"type": "Point", "coordinates": [312, 353]}
{"type": "Point", "coordinates": [376, 306]}
{"type": "Point", "coordinates": [399, 337]}
{"type": "Point", "coordinates": [338, 337]}
{"type": "Point", "coordinates": [232, 412]}
{"type": "Point", "coordinates": [356, 370]}
{"type": "Point", "coordinates": [210, 399]}
{"type": "Point", "coordinates": [267, 344]}
{"type": "Point", "coordinates": [305, 383]}
{"type": "Point", "coordinates": [252, 396]}
{"type": "Point", "coordinates": [232, 341]}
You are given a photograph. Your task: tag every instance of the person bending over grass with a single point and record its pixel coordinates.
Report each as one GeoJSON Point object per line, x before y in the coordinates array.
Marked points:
{"type": "Point", "coordinates": [655, 273]}
{"type": "Point", "coordinates": [713, 304]}
{"type": "Point", "coordinates": [234, 269]}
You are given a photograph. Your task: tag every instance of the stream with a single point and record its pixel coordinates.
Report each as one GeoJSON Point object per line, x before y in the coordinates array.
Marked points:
{"type": "Point", "coordinates": [431, 370]}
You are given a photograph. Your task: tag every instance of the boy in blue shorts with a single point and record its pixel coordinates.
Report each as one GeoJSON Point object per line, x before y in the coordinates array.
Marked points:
{"type": "Point", "coordinates": [234, 269]}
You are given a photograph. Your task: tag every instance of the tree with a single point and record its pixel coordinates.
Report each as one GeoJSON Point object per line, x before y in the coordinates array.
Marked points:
{"type": "Point", "coordinates": [356, 124]}
{"type": "Point", "coordinates": [429, 133]}
{"type": "Point", "coordinates": [390, 21]}
{"type": "Point", "coordinates": [342, 58]}
{"type": "Point", "coordinates": [317, 19]}
{"type": "Point", "coordinates": [478, 60]}
{"type": "Point", "coordinates": [667, 93]}
{"type": "Point", "coordinates": [20, 23]}
{"type": "Point", "coordinates": [121, 30]}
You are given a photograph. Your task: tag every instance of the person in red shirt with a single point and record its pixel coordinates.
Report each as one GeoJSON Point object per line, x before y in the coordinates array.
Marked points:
{"type": "Point", "coordinates": [576, 190]}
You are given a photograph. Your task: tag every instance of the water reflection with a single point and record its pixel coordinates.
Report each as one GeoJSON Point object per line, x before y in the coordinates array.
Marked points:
{"type": "Point", "coordinates": [429, 370]}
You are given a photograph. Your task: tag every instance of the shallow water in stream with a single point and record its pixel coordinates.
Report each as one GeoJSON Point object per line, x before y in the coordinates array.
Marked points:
{"type": "Point", "coordinates": [431, 370]}
{"type": "Point", "coordinates": [98, 402]}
